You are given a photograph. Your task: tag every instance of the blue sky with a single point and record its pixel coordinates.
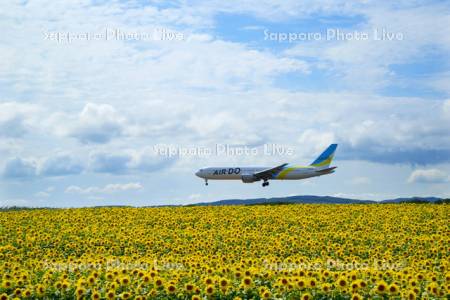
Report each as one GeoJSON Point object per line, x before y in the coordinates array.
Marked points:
{"type": "Point", "coordinates": [81, 122]}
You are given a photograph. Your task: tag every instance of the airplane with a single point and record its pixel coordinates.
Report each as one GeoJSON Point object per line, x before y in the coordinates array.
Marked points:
{"type": "Point", "coordinates": [319, 167]}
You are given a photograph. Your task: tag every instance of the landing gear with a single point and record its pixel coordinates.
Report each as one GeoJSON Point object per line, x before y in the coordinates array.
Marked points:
{"type": "Point", "coordinates": [265, 183]}
{"type": "Point", "coordinates": [206, 181]}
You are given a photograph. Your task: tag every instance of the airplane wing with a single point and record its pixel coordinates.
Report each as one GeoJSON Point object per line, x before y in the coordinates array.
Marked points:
{"type": "Point", "coordinates": [269, 173]}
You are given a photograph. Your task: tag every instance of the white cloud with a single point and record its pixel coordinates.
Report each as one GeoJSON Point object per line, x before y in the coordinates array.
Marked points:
{"type": "Point", "coordinates": [97, 123]}
{"type": "Point", "coordinates": [123, 187]}
{"type": "Point", "coordinates": [45, 193]}
{"type": "Point", "coordinates": [147, 160]}
{"type": "Point", "coordinates": [314, 140]}
{"type": "Point", "coordinates": [109, 188]}
{"type": "Point", "coordinates": [126, 161]}
{"type": "Point", "coordinates": [16, 119]}
{"type": "Point", "coordinates": [18, 168]}
{"type": "Point", "coordinates": [366, 64]}
{"type": "Point", "coordinates": [440, 82]}
{"type": "Point", "coordinates": [60, 165]}
{"type": "Point", "coordinates": [66, 163]}
{"type": "Point", "coordinates": [205, 90]}
{"type": "Point", "coordinates": [121, 71]}
{"type": "Point", "coordinates": [174, 103]}
{"type": "Point", "coordinates": [114, 163]}
{"type": "Point", "coordinates": [280, 10]}
{"type": "Point", "coordinates": [226, 126]}
{"type": "Point", "coordinates": [428, 176]}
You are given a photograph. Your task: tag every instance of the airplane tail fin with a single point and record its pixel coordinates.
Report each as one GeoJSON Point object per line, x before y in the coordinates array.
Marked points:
{"type": "Point", "coordinates": [324, 159]}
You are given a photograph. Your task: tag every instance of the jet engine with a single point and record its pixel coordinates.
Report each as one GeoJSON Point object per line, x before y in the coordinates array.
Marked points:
{"type": "Point", "coordinates": [248, 178]}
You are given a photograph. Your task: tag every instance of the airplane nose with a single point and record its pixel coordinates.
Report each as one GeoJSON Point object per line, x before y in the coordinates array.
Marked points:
{"type": "Point", "coordinates": [197, 173]}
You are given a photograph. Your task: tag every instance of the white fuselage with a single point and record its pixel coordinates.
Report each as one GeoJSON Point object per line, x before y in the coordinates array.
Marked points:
{"type": "Point", "coordinates": [320, 166]}
{"type": "Point", "coordinates": [236, 173]}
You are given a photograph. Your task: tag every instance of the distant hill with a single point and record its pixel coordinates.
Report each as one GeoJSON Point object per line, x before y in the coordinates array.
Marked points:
{"type": "Point", "coordinates": [413, 199]}
{"type": "Point", "coordinates": [313, 200]}
{"type": "Point", "coordinates": [270, 201]}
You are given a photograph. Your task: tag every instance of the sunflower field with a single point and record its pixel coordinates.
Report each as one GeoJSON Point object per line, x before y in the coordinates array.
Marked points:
{"type": "Point", "coordinates": [389, 251]}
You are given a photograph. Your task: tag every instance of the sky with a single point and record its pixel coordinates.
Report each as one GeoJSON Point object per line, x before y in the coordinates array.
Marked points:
{"type": "Point", "coordinates": [120, 102]}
